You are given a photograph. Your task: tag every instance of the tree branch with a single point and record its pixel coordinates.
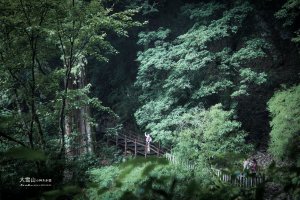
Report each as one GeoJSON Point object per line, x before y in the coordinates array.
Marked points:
{"type": "Point", "coordinates": [12, 139]}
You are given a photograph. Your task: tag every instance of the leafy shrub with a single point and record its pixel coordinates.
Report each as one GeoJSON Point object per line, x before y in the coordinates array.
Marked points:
{"type": "Point", "coordinates": [211, 137]}
{"type": "Point", "coordinates": [155, 179]}
{"type": "Point", "coordinates": [284, 107]}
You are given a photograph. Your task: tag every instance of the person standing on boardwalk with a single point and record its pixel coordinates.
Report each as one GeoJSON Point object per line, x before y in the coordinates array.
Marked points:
{"type": "Point", "coordinates": [246, 165]}
{"type": "Point", "coordinates": [148, 140]}
{"type": "Point", "coordinates": [254, 166]}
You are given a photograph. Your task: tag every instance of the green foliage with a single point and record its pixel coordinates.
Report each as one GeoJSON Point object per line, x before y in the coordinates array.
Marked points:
{"type": "Point", "coordinates": [155, 179]}
{"type": "Point", "coordinates": [87, 25]}
{"type": "Point", "coordinates": [79, 165]}
{"type": "Point", "coordinates": [43, 45]}
{"type": "Point", "coordinates": [201, 66]}
{"type": "Point", "coordinates": [203, 10]}
{"type": "Point", "coordinates": [289, 13]}
{"type": "Point", "coordinates": [79, 98]}
{"type": "Point", "coordinates": [24, 153]}
{"type": "Point", "coordinates": [288, 176]}
{"type": "Point", "coordinates": [206, 136]}
{"type": "Point", "coordinates": [116, 182]}
{"type": "Point", "coordinates": [191, 83]}
{"type": "Point", "coordinates": [159, 35]}
{"type": "Point", "coordinates": [222, 134]}
{"type": "Point", "coordinates": [64, 192]}
{"type": "Point", "coordinates": [284, 107]}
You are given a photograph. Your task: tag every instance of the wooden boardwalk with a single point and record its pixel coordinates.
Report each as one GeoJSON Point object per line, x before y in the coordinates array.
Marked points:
{"type": "Point", "coordinates": [136, 145]}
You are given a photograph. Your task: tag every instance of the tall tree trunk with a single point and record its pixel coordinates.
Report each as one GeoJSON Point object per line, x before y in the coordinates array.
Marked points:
{"type": "Point", "coordinates": [88, 132]}
{"type": "Point", "coordinates": [83, 118]}
{"type": "Point", "coordinates": [85, 131]}
{"type": "Point", "coordinates": [68, 131]}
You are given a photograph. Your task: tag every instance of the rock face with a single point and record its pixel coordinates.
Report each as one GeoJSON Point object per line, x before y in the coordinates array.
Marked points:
{"type": "Point", "coordinates": [264, 159]}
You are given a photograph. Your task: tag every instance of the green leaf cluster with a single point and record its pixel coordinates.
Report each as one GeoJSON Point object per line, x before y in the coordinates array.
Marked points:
{"type": "Point", "coordinates": [289, 13]}
{"type": "Point", "coordinates": [284, 107]}
{"type": "Point", "coordinates": [206, 136]}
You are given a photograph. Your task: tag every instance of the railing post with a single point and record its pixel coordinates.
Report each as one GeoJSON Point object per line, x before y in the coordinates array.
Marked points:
{"type": "Point", "coordinates": [145, 150]}
{"type": "Point", "coordinates": [125, 146]}
{"type": "Point", "coordinates": [135, 148]}
{"type": "Point", "coordinates": [158, 149]}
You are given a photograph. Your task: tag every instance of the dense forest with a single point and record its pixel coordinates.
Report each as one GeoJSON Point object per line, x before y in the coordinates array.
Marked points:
{"type": "Point", "coordinates": [150, 99]}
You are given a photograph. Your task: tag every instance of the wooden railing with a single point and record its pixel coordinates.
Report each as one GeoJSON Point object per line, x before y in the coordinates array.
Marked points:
{"type": "Point", "coordinates": [186, 164]}
{"type": "Point", "coordinates": [136, 144]}
{"type": "Point", "coordinates": [241, 180]}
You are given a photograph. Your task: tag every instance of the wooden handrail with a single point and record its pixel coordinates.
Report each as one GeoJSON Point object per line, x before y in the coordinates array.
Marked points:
{"type": "Point", "coordinates": [138, 142]}
{"type": "Point", "coordinates": [240, 180]}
